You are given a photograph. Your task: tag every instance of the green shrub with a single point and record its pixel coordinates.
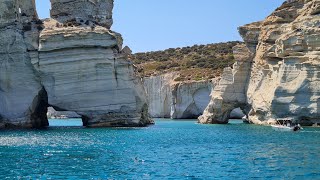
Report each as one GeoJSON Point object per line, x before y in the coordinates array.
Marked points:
{"type": "Point", "coordinates": [193, 62]}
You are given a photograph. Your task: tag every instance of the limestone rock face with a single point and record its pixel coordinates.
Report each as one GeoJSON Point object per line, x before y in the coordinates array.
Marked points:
{"type": "Point", "coordinates": [53, 114]}
{"type": "Point", "coordinates": [159, 93]}
{"type": "Point", "coordinates": [88, 11]}
{"type": "Point", "coordinates": [12, 11]}
{"type": "Point", "coordinates": [72, 62]}
{"type": "Point", "coordinates": [250, 34]}
{"type": "Point", "coordinates": [190, 99]}
{"type": "Point", "coordinates": [83, 71]}
{"type": "Point", "coordinates": [177, 100]}
{"type": "Point", "coordinates": [22, 98]}
{"type": "Point", "coordinates": [230, 92]}
{"type": "Point", "coordinates": [284, 79]}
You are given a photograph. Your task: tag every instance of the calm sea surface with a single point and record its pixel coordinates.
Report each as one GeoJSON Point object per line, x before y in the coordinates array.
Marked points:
{"type": "Point", "coordinates": [167, 150]}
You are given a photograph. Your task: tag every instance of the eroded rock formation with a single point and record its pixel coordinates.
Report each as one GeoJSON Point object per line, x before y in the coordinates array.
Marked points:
{"type": "Point", "coordinates": [21, 94]}
{"type": "Point", "coordinates": [176, 100]}
{"type": "Point", "coordinates": [284, 76]}
{"type": "Point", "coordinates": [72, 62]}
{"type": "Point", "coordinates": [53, 114]}
{"type": "Point", "coordinates": [230, 92]}
{"type": "Point", "coordinates": [190, 99]}
{"type": "Point", "coordinates": [98, 12]}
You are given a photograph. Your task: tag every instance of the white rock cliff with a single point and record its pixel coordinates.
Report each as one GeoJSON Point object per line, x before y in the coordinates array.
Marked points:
{"type": "Point", "coordinates": [20, 90]}
{"type": "Point", "coordinates": [77, 66]}
{"type": "Point", "coordinates": [230, 92]}
{"type": "Point", "coordinates": [284, 77]}
{"type": "Point", "coordinates": [284, 82]}
{"type": "Point", "coordinates": [177, 100]}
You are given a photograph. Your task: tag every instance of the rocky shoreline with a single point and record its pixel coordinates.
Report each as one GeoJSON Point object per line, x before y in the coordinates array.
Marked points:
{"type": "Point", "coordinates": [274, 75]}
{"type": "Point", "coordinates": [74, 62]}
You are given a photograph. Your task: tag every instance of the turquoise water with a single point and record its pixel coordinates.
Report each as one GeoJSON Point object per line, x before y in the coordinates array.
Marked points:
{"type": "Point", "coordinates": [65, 122]}
{"type": "Point", "coordinates": [167, 150]}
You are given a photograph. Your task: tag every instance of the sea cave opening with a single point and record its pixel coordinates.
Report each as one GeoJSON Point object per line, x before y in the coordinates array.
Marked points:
{"type": "Point", "coordinates": [237, 116]}
{"type": "Point", "coordinates": [58, 118]}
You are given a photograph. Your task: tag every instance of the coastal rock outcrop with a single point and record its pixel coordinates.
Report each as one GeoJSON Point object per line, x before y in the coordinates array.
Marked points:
{"type": "Point", "coordinates": [22, 98]}
{"type": "Point", "coordinates": [284, 82]}
{"type": "Point", "coordinates": [83, 69]}
{"type": "Point", "coordinates": [72, 62]}
{"type": "Point", "coordinates": [230, 92]}
{"type": "Point", "coordinates": [177, 100]}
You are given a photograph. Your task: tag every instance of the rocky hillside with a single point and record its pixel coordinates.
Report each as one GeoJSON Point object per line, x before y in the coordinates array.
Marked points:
{"type": "Point", "coordinates": [199, 62]}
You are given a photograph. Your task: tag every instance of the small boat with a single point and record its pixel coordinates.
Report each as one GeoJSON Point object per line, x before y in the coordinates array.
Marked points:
{"type": "Point", "coordinates": [286, 127]}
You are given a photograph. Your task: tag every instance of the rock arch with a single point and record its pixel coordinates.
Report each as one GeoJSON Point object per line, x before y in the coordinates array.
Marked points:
{"type": "Point", "coordinates": [83, 67]}
{"type": "Point", "coordinates": [237, 113]}
{"type": "Point", "coordinates": [68, 64]}
{"type": "Point", "coordinates": [230, 93]}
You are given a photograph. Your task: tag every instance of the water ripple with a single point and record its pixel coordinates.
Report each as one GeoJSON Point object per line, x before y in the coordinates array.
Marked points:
{"type": "Point", "coordinates": [168, 150]}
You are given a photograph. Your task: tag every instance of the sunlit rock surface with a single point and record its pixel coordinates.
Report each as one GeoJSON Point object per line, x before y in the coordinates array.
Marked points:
{"type": "Point", "coordinates": [230, 92]}
{"type": "Point", "coordinates": [72, 62]}
{"type": "Point", "coordinates": [22, 97]}
{"type": "Point", "coordinates": [177, 100]}
{"type": "Point", "coordinates": [190, 99]}
{"type": "Point", "coordinates": [83, 69]}
{"type": "Point", "coordinates": [284, 81]}
{"type": "Point", "coordinates": [159, 93]}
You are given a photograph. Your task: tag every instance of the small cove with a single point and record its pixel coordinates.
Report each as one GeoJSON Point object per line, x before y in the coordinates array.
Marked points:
{"type": "Point", "coordinates": [169, 149]}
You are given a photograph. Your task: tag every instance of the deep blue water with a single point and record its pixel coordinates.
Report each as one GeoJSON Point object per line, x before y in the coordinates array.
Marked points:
{"type": "Point", "coordinates": [167, 150]}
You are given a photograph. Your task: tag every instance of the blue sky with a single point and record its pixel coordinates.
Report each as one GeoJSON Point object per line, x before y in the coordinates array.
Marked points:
{"type": "Point", "coordinates": [148, 25]}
